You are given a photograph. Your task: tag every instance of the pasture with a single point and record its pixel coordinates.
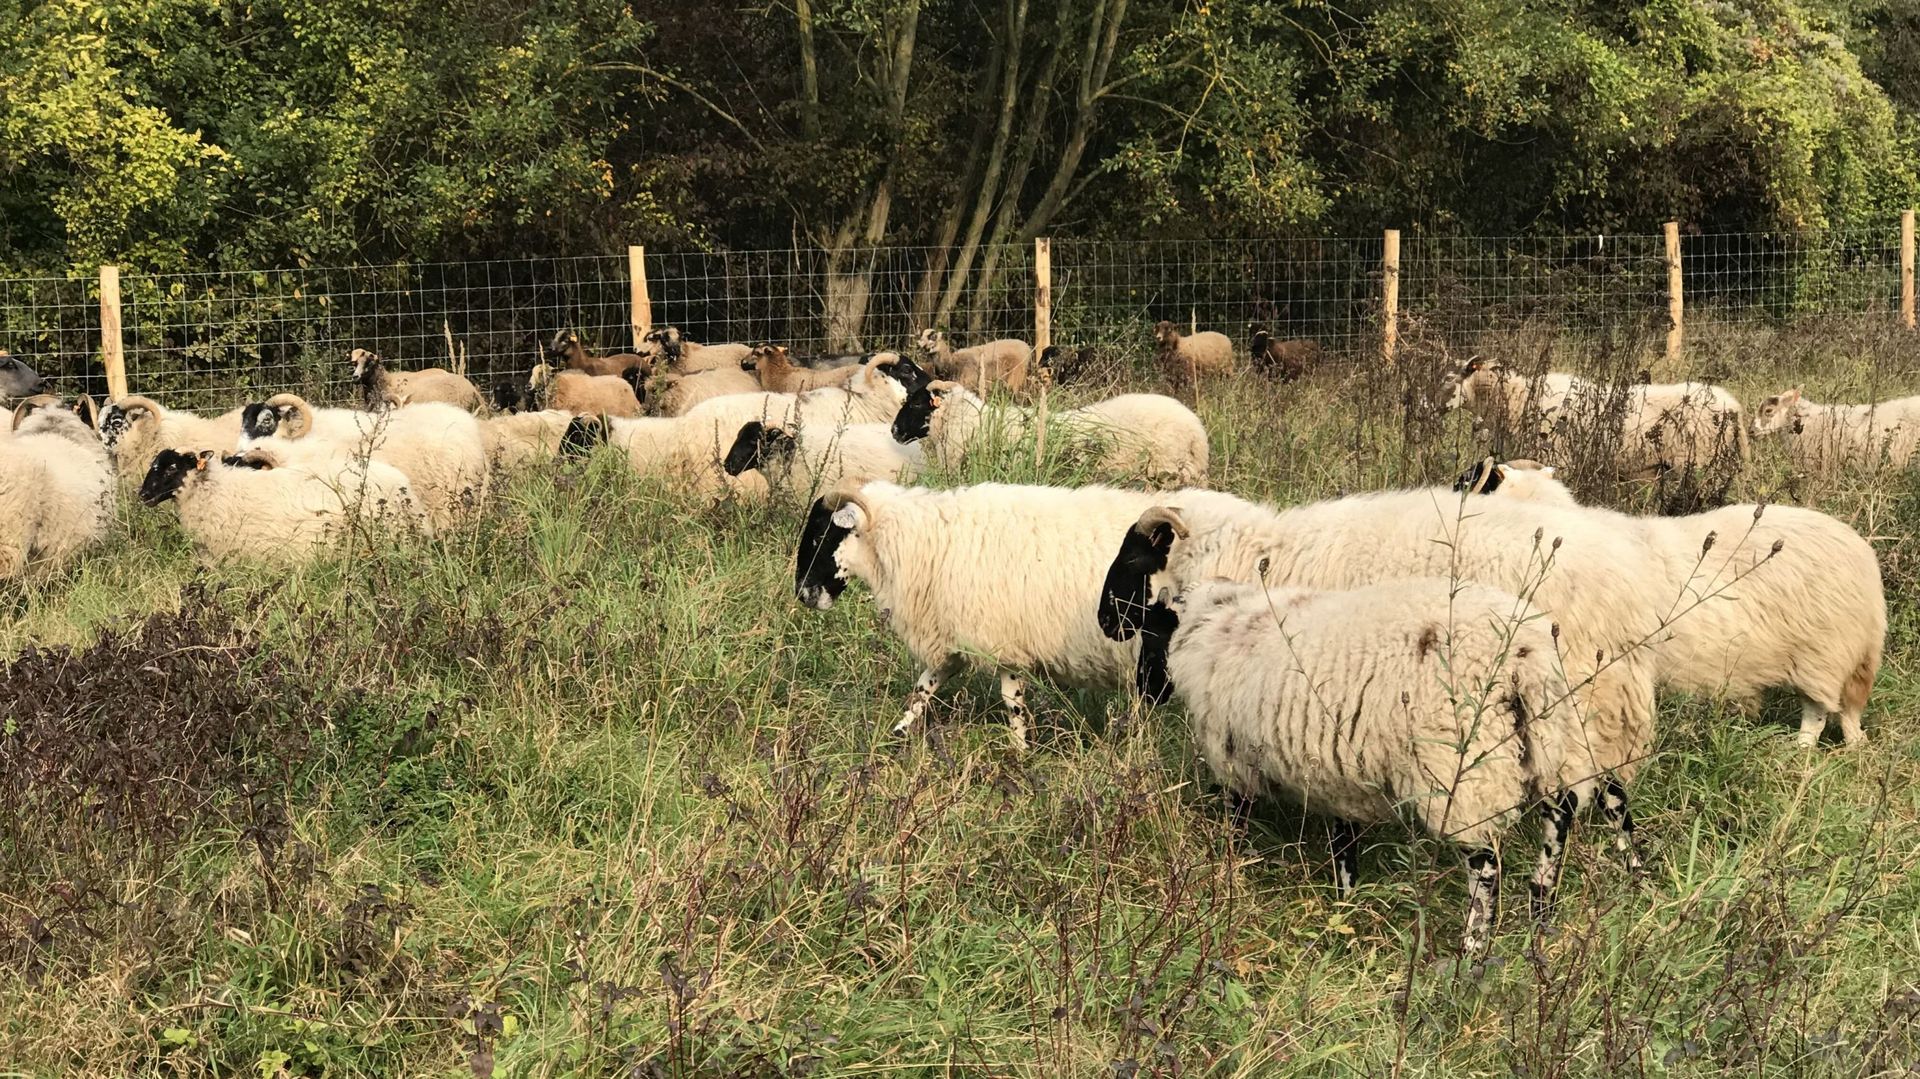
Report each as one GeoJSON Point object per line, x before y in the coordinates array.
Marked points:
{"type": "Point", "coordinates": [583, 791]}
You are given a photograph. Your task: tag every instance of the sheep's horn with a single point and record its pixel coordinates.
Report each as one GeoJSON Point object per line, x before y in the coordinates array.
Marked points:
{"type": "Point", "coordinates": [133, 401]}
{"type": "Point", "coordinates": [848, 493]}
{"type": "Point", "coordinates": [1162, 515]}
{"type": "Point", "coordinates": [943, 386]}
{"type": "Point", "coordinates": [25, 408]}
{"type": "Point", "coordinates": [883, 359]}
{"type": "Point", "coordinates": [88, 412]}
{"type": "Point", "coordinates": [1481, 475]}
{"type": "Point", "coordinates": [300, 408]}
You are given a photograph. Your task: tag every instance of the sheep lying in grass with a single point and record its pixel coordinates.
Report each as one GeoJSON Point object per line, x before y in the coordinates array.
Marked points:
{"type": "Point", "coordinates": [1444, 700]}
{"type": "Point", "coordinates": [381, 389]}
{"type": "Point", "coordinates": [1520, 478]}
{"type": "Point", "coordinates": [517, 440]}
{"type": "Point", "coordinates": [1284, 360]}
{"type": "Point", "coordinates": [995, 574]}
{"type": "Point", "coordinates": [1592, 575]}
{"type": "Point", "coordinates": [1185, 359]}
{"type": "Point", "coordinates": [262, 505]}
{"type": "Point", "coordinates": [799, 459]}
{"type": "Point", "coordinates": [1823, 439]}
{"type": "Point", "coordinates": [568, 349]}
{"type": "Point", "coordinates": [677, 395]}
{"type": "Point", "coordinates": [135, 429]}
{"type": "Point", "coordinates": [683, 357]}
{"type": "Point", "coordinates": [1779, 596]}
{"type": "Point", "coordinates": [16, 378]}
{"type": "Point", "coordinates": [438, 447]}
{"type": "Point", "coordinates": [586, 395]}
{"type": "Point", "coordinates": [1135, 434]}
{"type": "Point", "coordinates": [777, 372]}
{"type": "Point", "coordinates": [56, 486]}
{"type": "Point", "coordinates": [1001, 362]}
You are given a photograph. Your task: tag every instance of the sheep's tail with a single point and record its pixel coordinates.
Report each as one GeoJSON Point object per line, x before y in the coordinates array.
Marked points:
{"type": "Point", "coordinates": [1853, 695]}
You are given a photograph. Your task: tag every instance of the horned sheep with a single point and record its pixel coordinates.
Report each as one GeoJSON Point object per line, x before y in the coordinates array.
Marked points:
{"type": "Point", "coordinates": [1186, 358]}
{"type": "Point", "coordinates": [1134, 434]}
{"type": "Point", "coordinates": [686, 357]}
{"type": "Point", "coordinates": [135, 429]}
{"type": "Point", "coordinates": [1823, 439]}
{"type": "Point", "coordinates": [381, 389]}
{"type": "Point", "coordinates": [999, 362]}
{"type": "Point", "coordinates": [926, 553]}
{"type": "Point", "coordinates": [1767, 596]}
{"type": "Point", "coordinates": [568, 349]}
{"type": "Point", "coordinates": [1442, 699]}
{"type": "Point", "coordinates": [56, 486]}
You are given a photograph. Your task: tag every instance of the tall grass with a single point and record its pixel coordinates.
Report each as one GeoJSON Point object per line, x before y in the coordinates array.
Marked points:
{"type": "Point", "coordinates": [582, 791]}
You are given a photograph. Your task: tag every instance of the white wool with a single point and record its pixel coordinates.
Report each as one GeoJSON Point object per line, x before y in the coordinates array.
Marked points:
{"type": "Point", "coordinates": [521, 438]}
{"type": "Point", "coordinates": [825, 459]}
{"type": "Point", "coordinates": [1823, 439]}
{"type": "Point", "coordinates": [1185, 357]}
{"type": "Point", "coordinates": [998, 362]}
{"type": "Point", "coordinates": [1660, 427]}
{"type": "Point", "coordinates": [683, 394]}
{"type": "Point", "coordinates": [305, 505]}
{"type": "Point", "coordinates": [134, 429]}
{"type": "Point", "coordinates": [1502, 399]}
{"type": "Point", "coordinates": [439, 447]}
{"type": "Point", "coordinates": [1136, 434]}
{"type": "Point", "coordinates": [56, 491]}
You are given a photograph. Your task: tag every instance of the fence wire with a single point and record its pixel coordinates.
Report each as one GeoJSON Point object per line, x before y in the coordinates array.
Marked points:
{"type": "Point", "coordinates": [211, 339]}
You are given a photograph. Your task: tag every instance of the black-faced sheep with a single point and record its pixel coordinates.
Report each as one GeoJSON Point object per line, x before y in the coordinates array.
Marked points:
{"type": "Point", "coordinates": [805, 460]}
{"type": "Point", "coordinates": [683, 357]}
{"type": "Point", "coordinates": [135, 429]}
{"type": "Point", "coordinates": [1283, 360]}
{"type": "Point", "coordinates": [1133, 435]}
{"type": "Point", "coordinates": [381, 389]}
{"type": "Point", "coordinates": [260, 505]}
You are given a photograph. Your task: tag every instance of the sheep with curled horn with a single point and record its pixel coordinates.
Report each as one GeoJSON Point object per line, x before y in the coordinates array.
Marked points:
{"type": "Point", "coordinates": [382, 389]}
{"type": "Point", "coordinates": [135, 429]}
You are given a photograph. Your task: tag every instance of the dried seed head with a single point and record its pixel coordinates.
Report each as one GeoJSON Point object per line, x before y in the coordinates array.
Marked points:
{"type": "Point", "coordinates": [1556, 543]}
{"type": "Point", "coordinates": [1539, 534]}
{"type": "Point", "coordinates": [1707, 544]}
{"type": "Point", "coordinates": [1777, 544]}
{"type": "Point", "coordinates": [1758, 510]}
{"type": "Point", "coordinates": [1556, 631]}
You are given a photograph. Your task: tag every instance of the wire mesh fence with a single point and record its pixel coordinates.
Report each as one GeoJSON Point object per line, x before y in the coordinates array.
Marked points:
{"type": "Point", "coordinates": [214, 338]}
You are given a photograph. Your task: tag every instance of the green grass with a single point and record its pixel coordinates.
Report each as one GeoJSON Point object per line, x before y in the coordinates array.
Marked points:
{"type": "Point", "coordinates": [584, 792]}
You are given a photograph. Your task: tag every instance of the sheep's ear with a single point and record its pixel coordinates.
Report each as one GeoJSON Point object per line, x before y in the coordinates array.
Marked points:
{"type": "Point", "coordinates": [200, 460]}
{"type": "Point", "coordinates": [1791, 397]}
{"type": "Point", "coordinates": [1472, 366]}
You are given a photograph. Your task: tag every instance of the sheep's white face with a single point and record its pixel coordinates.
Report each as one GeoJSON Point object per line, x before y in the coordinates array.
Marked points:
{"type": "Point", "coordinates": [1776, 412]}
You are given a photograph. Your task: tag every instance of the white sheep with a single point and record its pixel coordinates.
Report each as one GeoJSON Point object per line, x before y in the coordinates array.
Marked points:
{"type": "Point", "coordinates": [519, 439]}
{"type": "Point", "coordinates": [1523, 479]}
{"type": "Point", "coordinates": [670, 394]}
{"type": "Point", "coordinates": [996, 574]}
{"type": "Point", "coordinates": [438, 447]}
{"type": "Point", "coordinates": [1136, 434]}
{"type": "Point", "coordinates": [1650, 429]}
{"type": "Point", "coordinates": [998, 362]}
{"type": "Point", "coordinates": [1823, 439]}
{"type": "Point", "coordinates": [1185, 359]}
{"type": "Point", "coordinates": [277, 504]}
{"type": "Point", "coordinates": [135, 429]}
{"type": "Point", "coordinates": [1442, 700]}
{"type": "Point", "coordinates": [56, 486]}
{"type": "Point", "coordinates": [1503, 400]}
{"type": "Point", "coordinates": [1585, 570]}
{"type": "Point", "coordinates": [813, 460]}
{"type": "Point", "coordinates": [1772, 596]}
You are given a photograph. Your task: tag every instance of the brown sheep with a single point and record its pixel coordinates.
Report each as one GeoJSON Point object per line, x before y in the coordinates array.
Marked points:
{"type": "Point", "coordinates": [585, 394]}
{"type": "Point", "coordinates": [779, 374]}
{"type": "Point", "coordinates": [381, 389]}
{"type": "Point", "coordinates": [567, 346]}
{"type": "Point", "coordinates": [1003, 361]}
{"type": "Point", "coordinates": [684, 357]}
{"type": "Point", "coordinates": [1284, 360]}
{"type": "Point", "coordinates": [1185, 359]}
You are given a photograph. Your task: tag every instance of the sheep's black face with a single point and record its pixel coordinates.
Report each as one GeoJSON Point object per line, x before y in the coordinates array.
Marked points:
{"type": "Point", "coordinates": [637, 378]}
{"type": "Point", "coordinates": [259, 421]}
{"type": "Point", "coordinates": [756, 445]}
{"type": "Point", "coordinates": [583, 434]}
{"type": "Point", "coordinates": [1150, 671]}
{"type": "Point", "coordinates": [561, 344]}
{"type": "Point", "coordinates": [169, 470]}
{"type": "Point", "coordinates": [241, 460]}
{"type": "Point", "coordinates": [1123, 598]}
{"type": "Point", "coordinates": [16, 378]}
{"type": "Point", "coordinates": [915, 419]}
{"type": "Point", "coordinates": [507, 396]}
{"type": "Point", "coordinates": [1483, 478]}
{"type": "Point", "coordinates": [911, 376]}
{"type": "Point", "coordinates": [816, 572]}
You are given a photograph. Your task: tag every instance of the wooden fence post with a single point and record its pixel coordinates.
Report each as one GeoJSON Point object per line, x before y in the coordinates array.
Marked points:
{"type": "Point", "coordinates": [641, 305]}
{"type": "Point", "coordinates": [113, 353]}
{"type": "Point", "coordinates": [1676, 301]}
{"type": "Point", "coordinates": [1906, 270]}
{"type": "Point", "coordinates": [1042, 336]}
{"type": "Point", "coordinates": [1390, 295]}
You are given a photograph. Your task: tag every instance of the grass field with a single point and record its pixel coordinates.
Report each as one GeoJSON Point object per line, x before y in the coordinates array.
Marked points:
{"type": "Point", "coordinates": [584, 792]}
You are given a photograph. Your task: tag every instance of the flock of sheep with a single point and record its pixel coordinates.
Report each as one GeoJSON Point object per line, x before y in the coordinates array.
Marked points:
{"type": "Point", "coordinates": [1461, 656]}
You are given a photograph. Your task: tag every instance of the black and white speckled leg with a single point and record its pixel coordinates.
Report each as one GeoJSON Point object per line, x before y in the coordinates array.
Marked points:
{"type": "Point", "coordinates": [919, 698]}
{"type": "Point", "coordinates": [1483, 900]}
{"type": "Point", "coordinates": [1013, 692]}
{"type": "Point", "coordinates": [1344, 839]}
{"type": "Point", "coordinates": [1613, 802]}
{"type": "Point", "coordinates": [1556, 823]}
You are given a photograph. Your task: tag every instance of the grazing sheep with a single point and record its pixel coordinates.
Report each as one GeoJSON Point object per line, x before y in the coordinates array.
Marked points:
{"type": "Point", "coordinates": [1579, 566]}
{"type": "Point", "coordinates": [1764, 596]}
{"type": "Point", "coordinates": [1185, 360]}
{"type": "Point", "coordinates": [1663, 427]}
{"type": "Point", "coordinates": [567, 348]}
{"type": "Point", "coordinates": [1284, 360]}
{"type": "Point", "coordinates": [587, 395]}
{"type": "Point", "coordinates": [438, 447]}
{"type": "Point", "coordinates": [999, 362]}
{"type": "Point", "coordinates": [516, 440]}
{"type": "Point", "coordinates": [381, 389]}
{"type": "Point", "coordinates": [135, 429]}
{"type": "Point", "coordinates": [779, 374]}
{"type": "Point", "coordinates": [16, 378]}
{"type": "Point", "coordinates": [1135, 434]}
{"type": "Point", "coordinates": [676, 395]}
{"type": "Point", "coordinates": [1823, 439]}
{"type": "Point", "coordinates": [684, 357]}
{"type": "Point", "coordinates": [1441, 700]}
{"type": "Point", "coordinates": [995, 574]}
{"type": "Point", "coordinates": [270, 505]}
{"type": "Point", "coordinates": [1502, 400]}
{"type": "Point", "coordinates": [56, 486]}
{"type": "Point", "coordinates": [801, 459]}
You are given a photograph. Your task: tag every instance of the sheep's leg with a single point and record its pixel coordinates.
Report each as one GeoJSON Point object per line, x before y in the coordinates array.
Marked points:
{"type": "Point", "coordinates": [1344, 838]}
{"type": "Point", "coordinates": [1556, 822]}
{"type": "Point", "coordinates": [921, 696]}
{"type": "Point", "coordinates": [1483, 900]}
{"type": "Point", "coordinates": [1613, 802]}
{"type": "Point", "coordinates": [1813, 720]}
{"type": "Point", "coordinates": [1013, 692]}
